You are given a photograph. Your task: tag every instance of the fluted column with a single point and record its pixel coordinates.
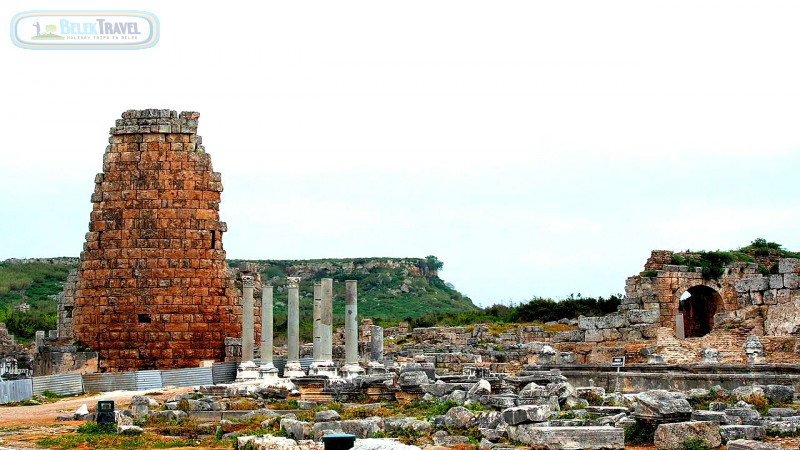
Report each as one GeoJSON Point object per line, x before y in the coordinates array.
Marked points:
{"type": "Point", "coordinates": [247, 319]}
{"type": "Point", "coordinates": [293, 368]}
{"type": "Point", "coordinates": [247, 369]}
{"type": "Point", "coordinates": [351, 367]}
{"type": "Point", "coordinates": [326, 322]}
{"type": "Point", "coordinates": [267, 369]}
{"type": "Point", "coordinates": [316, 319]}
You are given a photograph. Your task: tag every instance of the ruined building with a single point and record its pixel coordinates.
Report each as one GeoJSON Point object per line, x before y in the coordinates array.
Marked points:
{"type": "Point", "coordinates": [152, 291]}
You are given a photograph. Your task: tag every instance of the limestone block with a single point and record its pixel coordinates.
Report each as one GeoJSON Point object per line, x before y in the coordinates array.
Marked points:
{"type": "Point", "coordinates": [323, 428]}
{"type": "Point", "coordinates": [791, 281]}
{"type": "Point", "coordinates": [778, 393]}
{"type": "Point", "coordinates": [594, 335]}
{"type": "Point", "coordinates": [733, 432]}
{"type": "Point", "coordinates": [746, 444]}
{"type": "Point", "coordinates": [789, 265]}
{"type": "Point", "coordinates": [458, 417]}
{"type": "Point", "coordinates": [776, 281]}
{"type": "Point", "coordinates": [363, 428]}
{"type": "Point", "coordinates": [636, 316]}
{"type": "Point", "coordinates": [296, 429]}
{"type": "Point", "coordinates": [526, 414]}
{"type": "Point", "coordinates": [568, 438]}
{"type": "Point", "coordinates": [783, 319]}
{"type": "Point", "coordinates": [709, 416]}
{"type": "Point", "coordinates": [661, 405]}
{"type": "Point", "coordinates": [587, 323]}
{"type": "Point", "coordinates": [670, 436]}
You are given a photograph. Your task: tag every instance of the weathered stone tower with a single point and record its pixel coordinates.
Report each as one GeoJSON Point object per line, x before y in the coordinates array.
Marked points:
{"type": "Point", "coordinates": [152, 290]}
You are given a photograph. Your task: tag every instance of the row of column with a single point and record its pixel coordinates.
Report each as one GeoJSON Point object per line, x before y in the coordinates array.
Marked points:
{"type": "Point", "coordinates": [322, 330]}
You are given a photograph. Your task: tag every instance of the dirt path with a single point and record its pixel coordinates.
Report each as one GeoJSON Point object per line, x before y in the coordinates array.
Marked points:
{"type": "Point", "coordinates": [46, 414]}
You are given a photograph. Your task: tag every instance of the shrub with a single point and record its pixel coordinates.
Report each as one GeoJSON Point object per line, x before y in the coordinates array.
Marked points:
{"type": "Point", "coordinates": [640, 433]}
{"type": "Point", "coordinates": [97, 428]}
{"type": "Point", "coordinates": [649, 273]}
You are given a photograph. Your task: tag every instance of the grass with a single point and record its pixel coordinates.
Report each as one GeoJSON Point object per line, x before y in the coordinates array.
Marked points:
{"type": "Point", "coordinates": [117, 441]}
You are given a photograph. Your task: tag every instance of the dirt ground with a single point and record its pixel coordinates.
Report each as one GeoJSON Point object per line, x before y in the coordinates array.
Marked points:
{"type": "Point", "coordinates": [22, 426]}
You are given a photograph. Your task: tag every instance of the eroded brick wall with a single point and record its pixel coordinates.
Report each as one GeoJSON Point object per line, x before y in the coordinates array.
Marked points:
{"type": "Point", "coordinates": [152, 290]}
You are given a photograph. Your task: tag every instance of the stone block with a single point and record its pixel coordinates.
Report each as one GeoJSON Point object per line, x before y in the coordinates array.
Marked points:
{"type": "Point", "coordinates": [733, 432]}
{"type": "Point", "coordinates": [791, 281]}
{"type": "Point", "coordinates": [709, 416]}
{"type": "Point", "coordinates": [671, 436]}
{"type": "Point", "coordinates": [526, 414]}
{"type": "Point", "coordinates": [568, 438]}
{"type": "Point", "coordinates": [746, 444]}
{"type": "Point", "coordinates": [778, 393]}
{"type": "Point", "coordinates": [636, 316]}
{"type": "Point", "coordinates": [789, 265]}
{"type": "Point", "coordinates": [775, 281]}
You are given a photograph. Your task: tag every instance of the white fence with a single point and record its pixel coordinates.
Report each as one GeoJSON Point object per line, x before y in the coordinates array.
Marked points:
{"type": "Point", "coordinates": [70, 384]}
{"type": "Point", "coordinates": [15, 390]}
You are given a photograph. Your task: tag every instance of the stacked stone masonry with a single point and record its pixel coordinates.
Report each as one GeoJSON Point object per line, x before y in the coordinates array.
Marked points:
{"type": "Point", "coordinates": [152, 290]}
{"type": "Point", "coordinates": [678, 314]}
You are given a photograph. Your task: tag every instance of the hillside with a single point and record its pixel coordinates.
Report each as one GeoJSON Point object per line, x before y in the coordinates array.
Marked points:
{"type": "Point", "coordinates": [389, 289]}
{"type": "Point", "coordinates": [36, 282]}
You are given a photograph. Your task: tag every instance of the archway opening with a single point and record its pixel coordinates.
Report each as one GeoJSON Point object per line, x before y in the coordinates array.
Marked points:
{"type": "Point", "coordinates": [698, 309]}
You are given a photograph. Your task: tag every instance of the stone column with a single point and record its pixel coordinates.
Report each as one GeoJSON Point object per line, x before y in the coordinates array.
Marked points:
{"type": "Point", "coordinates": [316, 318]}
{"type": "Point", "coordinates": [326, 322]}
{"type": "Point", "coordinates": [351, 367]}
{"type": "Point", "coordinates": [376, 344]}
{"type": "Point", "coordinates": [247, 369]}
{"type": "Point", "coordinates": [267, 370]}
{"type": "Point", "coordinates": [376, 350]}
{"type": "Point", "coordinates": [323, 364]}
{"type": "Point", "coordinates": [293, 368]}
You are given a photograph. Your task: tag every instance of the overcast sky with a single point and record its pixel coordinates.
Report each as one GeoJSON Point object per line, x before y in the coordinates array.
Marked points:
{"type": "Point", "coordinates": [537, 148]}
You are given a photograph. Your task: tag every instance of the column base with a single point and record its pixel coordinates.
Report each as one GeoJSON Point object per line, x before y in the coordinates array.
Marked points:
{"type": "Point", "coordinates": [323, 368]}
{"type": "Point", "coordinates": [268, 372]}
{"type": "Point", "coordinates": [247, 371]}
{"type": "Point", "coordinates": [375, 367]}
{"type": "Point", "coordinates": [350, 371]}
{"type": "Point", "coordinates": [293, 369]}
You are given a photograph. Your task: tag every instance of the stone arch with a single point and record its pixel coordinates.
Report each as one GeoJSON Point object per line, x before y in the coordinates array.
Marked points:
{"type": "Point", "coordinates": [698, 309]}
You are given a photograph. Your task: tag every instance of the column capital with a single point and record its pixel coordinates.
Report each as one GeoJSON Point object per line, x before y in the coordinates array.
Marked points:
{"type": "Point", "coordinates": [293, 282]}
{"type": "Point", "coordinates": [248, 281]}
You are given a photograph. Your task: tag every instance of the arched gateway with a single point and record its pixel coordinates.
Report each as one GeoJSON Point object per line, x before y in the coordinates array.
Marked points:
{"type": "Point", "coordinates": [697, 306]}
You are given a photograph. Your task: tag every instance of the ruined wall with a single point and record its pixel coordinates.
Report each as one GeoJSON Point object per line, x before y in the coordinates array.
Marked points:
{"type": "Point", "coordinates": [66, 307]}
{"type": "Point", "coordinates": [152, 290]}
{"type": "Point", "coordinates": [741, 303]}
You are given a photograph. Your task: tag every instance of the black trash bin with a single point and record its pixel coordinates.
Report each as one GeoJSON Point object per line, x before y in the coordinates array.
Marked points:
{"type": "Point", "coordinates": [338, 441]}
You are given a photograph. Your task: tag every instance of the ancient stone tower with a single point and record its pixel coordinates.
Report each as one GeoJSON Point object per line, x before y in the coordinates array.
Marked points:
{"type": "Point", "coordinates": [152, 290]}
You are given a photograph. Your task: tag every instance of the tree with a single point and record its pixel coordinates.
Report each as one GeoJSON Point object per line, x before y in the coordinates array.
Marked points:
{"type": "Point", "coordinates": [433, 263]}
{"type": "Point", "coordinates": [51, 29]}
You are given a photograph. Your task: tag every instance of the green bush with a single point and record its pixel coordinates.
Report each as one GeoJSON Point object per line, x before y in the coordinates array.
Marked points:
{"type": "Point", "coordinates": [640, 433]}
{"type": "Point", "coordinates": [97, 428]}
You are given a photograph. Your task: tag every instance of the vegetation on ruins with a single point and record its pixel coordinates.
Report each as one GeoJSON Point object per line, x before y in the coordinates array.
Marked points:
{"type": "Point", "coordinates": [536, 310]}
{"type": "Point", "coordinates": [37, 283]}
{"type": "Point", "coordinates": [760, 251]}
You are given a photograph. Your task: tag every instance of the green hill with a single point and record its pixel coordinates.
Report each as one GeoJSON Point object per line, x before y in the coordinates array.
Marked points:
{"type": "Point", "coordinates": [36, 282]}
{"type": "Point", "coordinates": [389, 289]}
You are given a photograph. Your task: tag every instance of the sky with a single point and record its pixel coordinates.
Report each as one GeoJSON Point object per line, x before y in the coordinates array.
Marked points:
{"type": "Point", "coordinates": [536, 148]}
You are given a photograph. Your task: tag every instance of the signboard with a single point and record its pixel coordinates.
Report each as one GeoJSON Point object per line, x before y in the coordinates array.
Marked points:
{"type": "Point", "coordinates": [618, 361]}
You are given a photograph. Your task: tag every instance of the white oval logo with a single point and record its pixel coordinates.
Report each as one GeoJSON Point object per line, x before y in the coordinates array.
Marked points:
{"type": "Point", "coordinates": [84, 30]}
